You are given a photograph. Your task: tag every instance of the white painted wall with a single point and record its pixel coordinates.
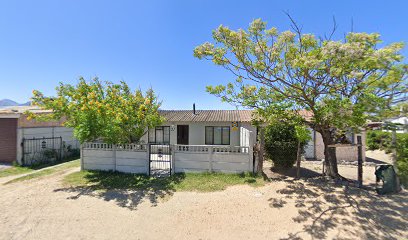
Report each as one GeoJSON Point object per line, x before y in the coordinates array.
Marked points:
{"type": "Point", "coordinates": [185, 158]}
{"type": "Point", "coordinates": [40, 132]}
{"type": "Point", "coordinates": [107, 157]}
{"type": "Point", "coordinates": [211, 159]}
{"type": "Point", "coordinates": [315, 148]}
{"type": "Point", "coordinates": [310, 147]}
{"type": "Point", "coordinates": [247, 134]}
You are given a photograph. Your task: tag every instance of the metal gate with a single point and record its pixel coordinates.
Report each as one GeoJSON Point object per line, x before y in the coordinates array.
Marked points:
{"type": "Point", "coordinates": [41, 150]}
{"type": "Point", "coordinates": [160, 159]}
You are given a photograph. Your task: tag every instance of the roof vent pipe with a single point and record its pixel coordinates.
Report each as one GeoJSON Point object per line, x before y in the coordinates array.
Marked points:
{"type": "Point", "coordinates": [194, 111]}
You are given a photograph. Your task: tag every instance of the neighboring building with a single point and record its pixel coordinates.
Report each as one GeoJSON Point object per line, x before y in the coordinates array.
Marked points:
{"type": "Point", "coordinates": [16, 131]}
{"type": "Point", "coordinates": [314, 150]}
{"type": "Point", "coordinates": [401, 122]}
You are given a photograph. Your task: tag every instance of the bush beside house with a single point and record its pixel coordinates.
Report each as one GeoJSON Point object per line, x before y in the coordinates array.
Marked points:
{"type": "Point", "coordinates": [281, 144]}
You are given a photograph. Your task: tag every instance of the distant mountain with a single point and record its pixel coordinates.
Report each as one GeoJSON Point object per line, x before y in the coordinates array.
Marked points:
{"type": "Point", "coordinates": [8, 102]}
{"type": "Point", "coordinates": [25, 104]}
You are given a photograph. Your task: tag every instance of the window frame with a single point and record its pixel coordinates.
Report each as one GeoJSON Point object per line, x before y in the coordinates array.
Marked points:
{"type": "Point", "coordinates": [213, 134]}
{"type": "Point", "coordinates": [155, 134]}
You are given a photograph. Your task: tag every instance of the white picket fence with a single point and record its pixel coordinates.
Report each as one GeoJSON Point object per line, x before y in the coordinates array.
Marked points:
{"type": "Point", "coordinates": [134, 158]}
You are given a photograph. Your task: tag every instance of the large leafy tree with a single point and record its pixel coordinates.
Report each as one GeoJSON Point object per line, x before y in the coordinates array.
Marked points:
{"type": "Point", "coordinates": [284, 74]}
{"type": "Point", "coordinates": [102, 110]}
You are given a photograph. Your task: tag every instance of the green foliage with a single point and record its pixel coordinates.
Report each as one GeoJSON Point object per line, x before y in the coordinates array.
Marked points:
{"type": "Point", "coordinates": [14, 170]}
{"type": "Point", "coordinates": [281, 142]}
{"type": "Point", "coordinates": [378, 139]}
{"type": "Point", "coordinates": [340, 83]}
{"type": "Point", "coordinates": [101, 110]}
{"type": "Point", "coordinates": [201, 182]}
{"type": "Point", "coordinates": [402, 158]}
{"type": "Point", "coordinates": [383, 140]}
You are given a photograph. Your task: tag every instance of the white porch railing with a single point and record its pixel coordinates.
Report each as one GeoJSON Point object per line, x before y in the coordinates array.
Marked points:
{"type": "Point", "coordinates": [212, 148]}
{"type": "Point", "coordinates": [118, 147]}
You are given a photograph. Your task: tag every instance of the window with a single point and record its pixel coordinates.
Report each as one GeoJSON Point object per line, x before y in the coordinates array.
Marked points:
{"type": "Point", "coordinates": [159, 135]}
{"type": "Point", "coordinates": [217, 135]}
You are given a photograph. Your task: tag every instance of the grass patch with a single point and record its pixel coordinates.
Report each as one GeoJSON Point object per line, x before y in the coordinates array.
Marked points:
{"type": "Point", "coordinates": [15, 170]}
{"type": "Point", "coordinates": [200, 182]}
{"type": "Point", "coordinates": [48, 171]}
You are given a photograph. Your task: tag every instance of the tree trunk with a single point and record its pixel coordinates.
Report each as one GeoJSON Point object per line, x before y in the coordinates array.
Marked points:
{"type": "Point", "coordinates": [261, 150]}
{"type": "Point", "coordinates": [330, 159]}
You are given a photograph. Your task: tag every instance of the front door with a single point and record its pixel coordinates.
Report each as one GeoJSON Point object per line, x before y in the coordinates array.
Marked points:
{"type": "Point", "coordinates": [182, 134]}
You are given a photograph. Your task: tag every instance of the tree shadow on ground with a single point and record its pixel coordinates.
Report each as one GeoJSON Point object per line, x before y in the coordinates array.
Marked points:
{"type": "Point", "coordinates": [127, 190]}
{"type": "Point", "coordinates": [272, 173]}
{"type": "Point", "coordinates": [324, 206]}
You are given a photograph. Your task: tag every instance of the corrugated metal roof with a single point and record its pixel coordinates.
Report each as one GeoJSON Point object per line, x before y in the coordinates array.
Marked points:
{"type": "Point", "coordinates": [207, 115]}
{"type": "Point", "coordinates": [176, 115]}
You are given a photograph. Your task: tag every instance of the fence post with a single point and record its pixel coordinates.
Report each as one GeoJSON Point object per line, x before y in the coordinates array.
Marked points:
{"type": "Point", "coordinates": [360, 161]}
{"type": "Point", "coordinates": [23, 151]}
{"type": "Point", "coordinates": [173, 158]}
{"type": "Point", "coordinates": [61, 150]}
{"type": "Point", "coordinates": [114, 157]}
{"type": "Point", "coordinates": [251, 153]}
{"type": "Point", "coordinates": [148, 158]}
{"type": "Point", "coordinates": [210, 156]}
{"type": "Point", "coordinates": [298, 160]}
{"type": "Point", "coordinates": [81, 154]}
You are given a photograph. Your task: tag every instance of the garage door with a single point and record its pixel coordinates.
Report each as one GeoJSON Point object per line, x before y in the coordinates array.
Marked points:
{"type": "Point", "coordinates": [8, 139]}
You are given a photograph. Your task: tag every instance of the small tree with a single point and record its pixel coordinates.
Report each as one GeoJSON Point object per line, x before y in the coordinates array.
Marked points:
{"type": "Point", "coordinates": [338, 82]}
{"type": "Point", "coordinates": [282, 141]}
{"type": "Point", "coordinates": [101, 110]}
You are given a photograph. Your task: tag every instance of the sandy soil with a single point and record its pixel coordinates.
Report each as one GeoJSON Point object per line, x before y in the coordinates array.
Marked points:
{"type": "Point", "coordinates": [283, 209]}
{"type": "Point", "coordinates": [4, 166]}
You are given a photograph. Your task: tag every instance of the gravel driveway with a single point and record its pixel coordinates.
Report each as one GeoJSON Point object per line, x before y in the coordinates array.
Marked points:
{"type": "Point", "coordinates": [283, 209]}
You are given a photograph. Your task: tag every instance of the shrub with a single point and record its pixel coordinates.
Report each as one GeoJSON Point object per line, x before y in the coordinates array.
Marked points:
{"type": "Point", "coordinates": [402, 158]}
{"type": "Point", "coordinates": [378, 139]}
{"type": "Point", "coordinates": [281, 144]}
{"type": "Point", "coordinates": [382, 140]}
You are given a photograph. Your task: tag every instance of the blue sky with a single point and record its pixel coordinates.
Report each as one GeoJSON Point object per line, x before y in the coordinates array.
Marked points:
{"type": "Point", "coordinates": [150, 43]}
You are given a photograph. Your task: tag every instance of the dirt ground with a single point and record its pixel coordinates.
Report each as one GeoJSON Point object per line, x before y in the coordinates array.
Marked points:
{"type": "Point", "coordinates": [282, 209]}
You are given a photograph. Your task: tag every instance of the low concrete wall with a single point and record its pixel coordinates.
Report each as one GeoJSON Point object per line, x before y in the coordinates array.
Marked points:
{"type": "Point", "coordinates": [203, 158]}
{"type": "Point", "coordinates": [130, 158]}
{"type": "Point", "coordinates": [343, 153]}
{"type": "Point", "coordinates": [133, 158]}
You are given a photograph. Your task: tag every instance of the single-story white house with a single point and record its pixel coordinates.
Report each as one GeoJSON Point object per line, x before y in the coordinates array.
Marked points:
{"type": "Point", "coordinates": [204, 127]}
{"type": "Point", "coordinates": [203, 130]}
{"type": "Point", "coordinates": [233, 128]}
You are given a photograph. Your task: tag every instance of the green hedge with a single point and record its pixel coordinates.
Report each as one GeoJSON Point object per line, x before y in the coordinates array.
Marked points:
{"type": "Point", "coordinates": [281, 144]}
{"type": "Point", "coordinates": [402, 158]}
{"type": "Point", "coordinates": [378, 139]}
